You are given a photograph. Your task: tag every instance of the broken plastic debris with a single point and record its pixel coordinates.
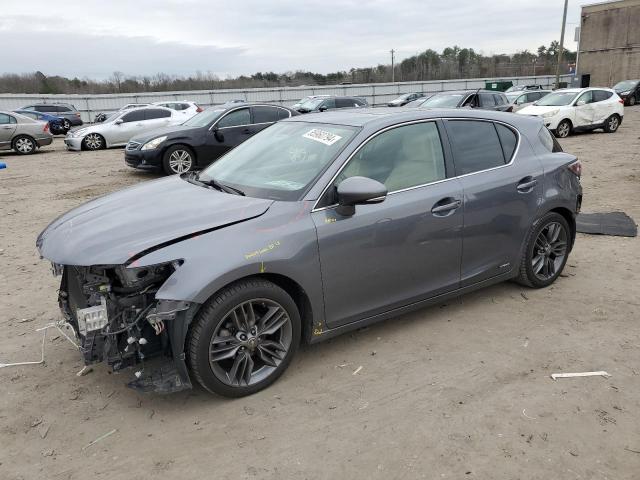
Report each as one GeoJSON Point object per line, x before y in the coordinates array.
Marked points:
{"type": "Point", "coordinates": [84, 371]}
{"type": "Point", "coordinates": [357, 370]}
{"type": "Point", "coordinates": [99, 439]}
{"type": "Point", "coordinates": [580, 374]}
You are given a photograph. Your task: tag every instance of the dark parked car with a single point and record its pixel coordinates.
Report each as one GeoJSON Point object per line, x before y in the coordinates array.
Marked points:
{"type": "Point", "coordinates": [69, 114]}
{"type": "Point", "coordinates": [483, 99]}
{"type": "Point", "coordinates": [321, 104]}
{"type": "Point", "coordinates": [629, 91]}
{"type": "Point", "coordinates": [318, 225]}
{"type": "Point", "coordinates": [201, 139]}
{"type": "Point", "coordinates": [404, 99]}
{"type": "Point", "coordinates": [56, 124]}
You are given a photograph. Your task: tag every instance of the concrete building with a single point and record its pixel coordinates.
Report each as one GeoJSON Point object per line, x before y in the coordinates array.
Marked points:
{"type": "Point", "coordinates": [609, 46]}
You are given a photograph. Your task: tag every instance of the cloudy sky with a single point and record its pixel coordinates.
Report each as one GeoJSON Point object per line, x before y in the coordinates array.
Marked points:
{"type": "Point", "coordinates": [93, 38]}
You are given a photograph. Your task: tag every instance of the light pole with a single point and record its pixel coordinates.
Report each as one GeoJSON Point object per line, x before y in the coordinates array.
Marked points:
{"type": "Point", "coordinates": [393, 70]}
{"type": "Point", "coordinates": [560, 50]}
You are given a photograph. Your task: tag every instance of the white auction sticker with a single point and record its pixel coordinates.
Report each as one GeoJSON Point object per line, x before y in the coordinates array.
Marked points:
{"type": "Point", "coordinates": [322, 136]}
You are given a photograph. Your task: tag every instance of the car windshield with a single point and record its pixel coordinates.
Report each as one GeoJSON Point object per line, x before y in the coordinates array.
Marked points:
{"type": "Point", "coordinates": [281, 161]}
{"type": "Point", "coordinates": [512, 96]}
{"type": "Point", "coordinates": [312, 103]}
{"type": "Point", "coordinates": [444, 100]}
{"type": "Point", "coordinates": [557, 99]}
{"type": "Point", "coordinates": [205, 118]}
{"type": "Point", "coordinates": [625, 85]}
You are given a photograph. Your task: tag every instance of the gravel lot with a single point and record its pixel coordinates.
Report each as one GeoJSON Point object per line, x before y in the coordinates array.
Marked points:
{"type": "Point", "coordinates": [460, 390]}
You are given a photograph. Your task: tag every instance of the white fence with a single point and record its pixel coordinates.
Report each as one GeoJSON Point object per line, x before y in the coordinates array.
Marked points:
{"type": "Point", "coordinates": [375, 94]}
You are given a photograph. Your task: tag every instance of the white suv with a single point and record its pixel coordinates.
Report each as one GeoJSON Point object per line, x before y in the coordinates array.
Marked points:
{"type": "Point", "coordinates": [185, 109]}
{"type": "Point", "coordinates": [574, 109]}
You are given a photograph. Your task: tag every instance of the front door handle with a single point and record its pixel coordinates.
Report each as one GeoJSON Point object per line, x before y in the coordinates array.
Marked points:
{"type": "Point", "coordinates": [446, 206]}
{"type": "Point", "coordinates": [526, 184]}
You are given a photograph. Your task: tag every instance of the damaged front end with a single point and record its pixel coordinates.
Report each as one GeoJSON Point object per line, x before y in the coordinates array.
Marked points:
{"type": "Point", "coordinates": [118, 320]}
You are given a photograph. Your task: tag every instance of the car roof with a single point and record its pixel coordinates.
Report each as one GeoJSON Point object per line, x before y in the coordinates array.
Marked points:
{"type": "Point", "coordinates": [383, 116]}
{"type": "Point", "coordinates": [463, 92]}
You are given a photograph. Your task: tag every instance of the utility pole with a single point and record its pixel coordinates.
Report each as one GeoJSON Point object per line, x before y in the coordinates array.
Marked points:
{"type": "Point", "coordinates": [560, 50]}
{"type": "Point", "coordinates": [393, 70]}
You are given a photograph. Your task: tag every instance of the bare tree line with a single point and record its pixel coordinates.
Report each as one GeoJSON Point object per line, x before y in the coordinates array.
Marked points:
{"type": "Point", "coordinates": [452, 62]}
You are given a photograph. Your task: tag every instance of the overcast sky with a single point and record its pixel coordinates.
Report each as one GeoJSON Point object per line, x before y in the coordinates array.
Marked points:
{"type": "Point", "coordinates": [93, 38]}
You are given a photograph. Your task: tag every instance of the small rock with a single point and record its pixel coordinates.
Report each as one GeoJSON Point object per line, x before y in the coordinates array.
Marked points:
{"type": "Point", "coordinates": [249, 410]}
{"type": "Point", "coordinates": [48, 453]}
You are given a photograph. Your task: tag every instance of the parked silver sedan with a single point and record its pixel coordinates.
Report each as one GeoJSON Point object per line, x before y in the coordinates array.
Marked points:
{"type": "Point", "coordinates": [22, 134]}
{"type": "Point", "coordinates": [524, 98]}
{"type": "Point", "coordinates": [120, 127]}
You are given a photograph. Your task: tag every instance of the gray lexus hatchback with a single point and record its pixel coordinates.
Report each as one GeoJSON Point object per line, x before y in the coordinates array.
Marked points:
{"type": "Point", "coordinates": [315, 226]}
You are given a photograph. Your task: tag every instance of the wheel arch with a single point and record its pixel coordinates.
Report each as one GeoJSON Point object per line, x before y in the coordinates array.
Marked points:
{"type": "Point", "coordinates": [16, 137]}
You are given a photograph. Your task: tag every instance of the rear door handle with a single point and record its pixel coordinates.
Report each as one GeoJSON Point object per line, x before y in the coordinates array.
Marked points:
{"type": "Point", "coordinates": [445, 206]}
{"type": "Point", "coordinates": [526, 184]}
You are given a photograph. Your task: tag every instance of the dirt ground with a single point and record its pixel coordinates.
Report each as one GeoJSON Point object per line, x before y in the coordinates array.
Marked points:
{"type": "Point", "coordinates": [459, 391]}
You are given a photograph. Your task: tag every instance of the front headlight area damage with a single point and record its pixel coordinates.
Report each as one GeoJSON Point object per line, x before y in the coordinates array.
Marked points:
{"type": "Point", "coordinates": [119, 321]}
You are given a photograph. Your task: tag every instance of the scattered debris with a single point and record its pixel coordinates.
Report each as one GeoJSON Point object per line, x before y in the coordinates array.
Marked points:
{"type": "Point", "coordinates": [580, 374]}
{"type": "Point", "coordinates": [39, 362]}
{"type": "Point", "coordinates": [249, 410]}
{"type": "Point", "coordinates": [48, 453]}
{"type": "Point", "coordinates": [26, 320]}
{"type": "Point", "coordinates": [357, 370]}
{"type": "Point", "coordinates": [99, 439]}
{"type": "Point", "coordinates": [332, 407]}
{"type": "Point", "coordinates": [524, 412]}
{"type": "Point", "coordinates": [150, 414]}
{"type": "Point", "coordinates": [342, 365]}
{"type": "Point", "coordinates": [84, 371]}
{"type": "Point", "coordinates": [573, 453]}
{"type": "Point", "coordinates": [373, 353]}
{"type": "Point", "coordinates": [36, 422]}
{"type": "Point", "coordinates": [631, 450]}
{"type": "Point", "coordinates": [523, 295]}
{"type": "Point", "coordinates": [43, 430]}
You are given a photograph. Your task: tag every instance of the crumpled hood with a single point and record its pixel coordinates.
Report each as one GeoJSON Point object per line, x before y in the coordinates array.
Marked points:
{"type": "Point", "coordinates": [538, 109]}
{"type": "Point", "coordinates": [111, 229]}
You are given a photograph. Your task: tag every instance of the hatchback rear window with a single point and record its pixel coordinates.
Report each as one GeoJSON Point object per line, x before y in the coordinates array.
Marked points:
{"type": "Point", "coordinates": [508, 140]}
{"type": "Point", "coordinates": [476, 145]}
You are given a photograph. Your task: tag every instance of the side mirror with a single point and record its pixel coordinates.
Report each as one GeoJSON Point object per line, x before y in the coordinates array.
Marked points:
{"type": "Point", "coordinates": [118, 121]}
{"type": "Point", "coordinates": [581, 102]}
{"type": "Point", "coordinates": [323, 108]}
{"type": "Point", "coordinates": [358, 191]}
{"type": "Point", "coordinates": [217, 134]}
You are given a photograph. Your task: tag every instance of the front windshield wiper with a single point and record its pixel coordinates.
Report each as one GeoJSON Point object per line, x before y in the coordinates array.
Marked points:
{"type": "Point", "coordinates": [212, 182]}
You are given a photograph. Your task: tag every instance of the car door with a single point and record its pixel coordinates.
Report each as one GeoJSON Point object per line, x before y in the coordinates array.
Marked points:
{"type": "Point", "coordinates": [228, 132]}
{"type": "Point", "coordinates": [400, 251]}
{"type": "Point", "coordinates": [584, 110]}
{"type": "Point", "coordinates": [120, 133]}
{"type": "Point", "coordinates": [328, 104]}
{"type": "Point", "coordinates": [487, 101]}
{"type": "Point", "coordinates": [501, 196]}
{"type": "Point", "coordinates": [264, 115]}
{"type": "Point", "coordinates": [602, 106]}
{"type": "Point", "coordinates": [8, 125]}
{"type": "Point", "coordinates": [155, 118]}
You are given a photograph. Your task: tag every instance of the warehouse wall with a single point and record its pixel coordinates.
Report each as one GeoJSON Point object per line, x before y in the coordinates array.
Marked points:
{"type": "Point", "coordinates": [610, 42]}
{"type": "Point", "coordinates": [376, 94]}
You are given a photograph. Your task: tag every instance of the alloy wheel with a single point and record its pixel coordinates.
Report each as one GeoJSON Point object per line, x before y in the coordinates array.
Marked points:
{"type": "Point", "coordinates": [180, 161]}
{"type": "Point", "coordinates": [613, 123]}
{"type": "Point", "coordinates": [250, 342]}
{"type": "Point", "coordinates": [24, 145]}
{"type": "Point", "coordinates": [549, 251]}
{"type": "Point", "coordinates": [66, 124]}
{"type": "Point", "coordinates": [93, 141]}
{"type": "Point", "coordinates": [563, 130]}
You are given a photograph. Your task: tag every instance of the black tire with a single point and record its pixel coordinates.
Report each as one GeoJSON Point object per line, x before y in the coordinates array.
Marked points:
{"type": "Point", "coordinates": [66, 124]}
{"type": "Point", "coordinates": [215, 320]}
{"type": "Point", "coordinates": [93, 141]}
{"type": "Point", "coordinates": [178, 159]}
{"type": "Point", "coordinates": [563, 130]}
{"type": "Point", "coordinates": [612, 123]}
{"type": "Point", "coordinates": [631, 100]}
{"type": "Point", "coordinates": [24, 145]}
{"type": "Point", "coordinates": [533, 250]}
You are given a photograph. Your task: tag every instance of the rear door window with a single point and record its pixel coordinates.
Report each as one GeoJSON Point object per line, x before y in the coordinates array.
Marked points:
{"type": "Point", "coordinates": [345, 102]}
{"type": "Point", "coordinates": [329, 103]}
{"type": "Point", "coordinates": [508, 140]}
{"type": "Point", "coordinates": [153, 113]}
{"type": "Point", "coordinates": [600, 95]}
{"type": "Point", "coordinates": [266, 114]}
{"type": "Point", "coordinates": [498, 99]}
{"type": "Point", "coordinates": [548, 140]}
{"type": "Point", "coordinates": [62, 108]}
{"type": "Point", "coordinates": [487, 100]}
{"type": "Point", "coordinates": [476, 145]}
{"type": "Point", "coordinates": [6, 119]}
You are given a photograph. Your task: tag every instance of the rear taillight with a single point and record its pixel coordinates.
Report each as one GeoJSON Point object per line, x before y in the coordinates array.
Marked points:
{"type": "Point", "coordinates": [621, 101]}
{"type": "Point", "coordinates": [46, 128]}
{"type": "Point", "coordinates": [199, 109]}
{"type": "Point", "coordinates": [576, 168]}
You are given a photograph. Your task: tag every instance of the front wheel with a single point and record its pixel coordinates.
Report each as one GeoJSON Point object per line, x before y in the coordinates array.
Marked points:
{"type": "Point", "coordinates": [178, 159]}
{"type": "Point", "coordinates": [612, 123]}
{"type": "Point", "coordinates": [93, 141]}
{"type": "Point", "coordinates": [563, 129]}
{"type": "Point", "coordinates": [244, 338]}
{"type": "Point", "coordinates": [546, 251]}
{"type": "Point", "coordinates": [66, 124]}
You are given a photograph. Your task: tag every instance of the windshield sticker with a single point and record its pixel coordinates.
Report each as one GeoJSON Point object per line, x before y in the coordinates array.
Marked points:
{"type": "Point", "coordinates": [286, 184]}
{"type": "Point", "coordinates": [322, 136]}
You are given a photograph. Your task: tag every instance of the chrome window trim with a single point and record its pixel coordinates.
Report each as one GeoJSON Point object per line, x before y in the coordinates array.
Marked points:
{"type": "Point", "coordinates": [365, 141]}
{"type": "Point", "coordinates": [247, 124]}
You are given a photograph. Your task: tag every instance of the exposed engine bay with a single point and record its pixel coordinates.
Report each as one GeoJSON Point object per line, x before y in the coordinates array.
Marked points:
{"type": "Point", "coordinates": [118, 320]}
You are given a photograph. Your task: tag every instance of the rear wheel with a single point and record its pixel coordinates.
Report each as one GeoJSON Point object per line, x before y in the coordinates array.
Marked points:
{"type": "Point", "coordinates": [244, 338]}
{"type": "Point", "coordinates": [563, 129]}
{"type": "Point", "coordinates": [66, 124]}
{"type": "Point", "coordinates": [24, 145]}
{"type": "Point", "coordinates": [631, 100]}
{"type": "Point", "coordinates": [178, 159]}
{"type": "Point", "coordinates": [93, 141]}
{"type": "Point", "coordinates": [546, 251]}
{"type": "Point", "coordinates": [612, 123]}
